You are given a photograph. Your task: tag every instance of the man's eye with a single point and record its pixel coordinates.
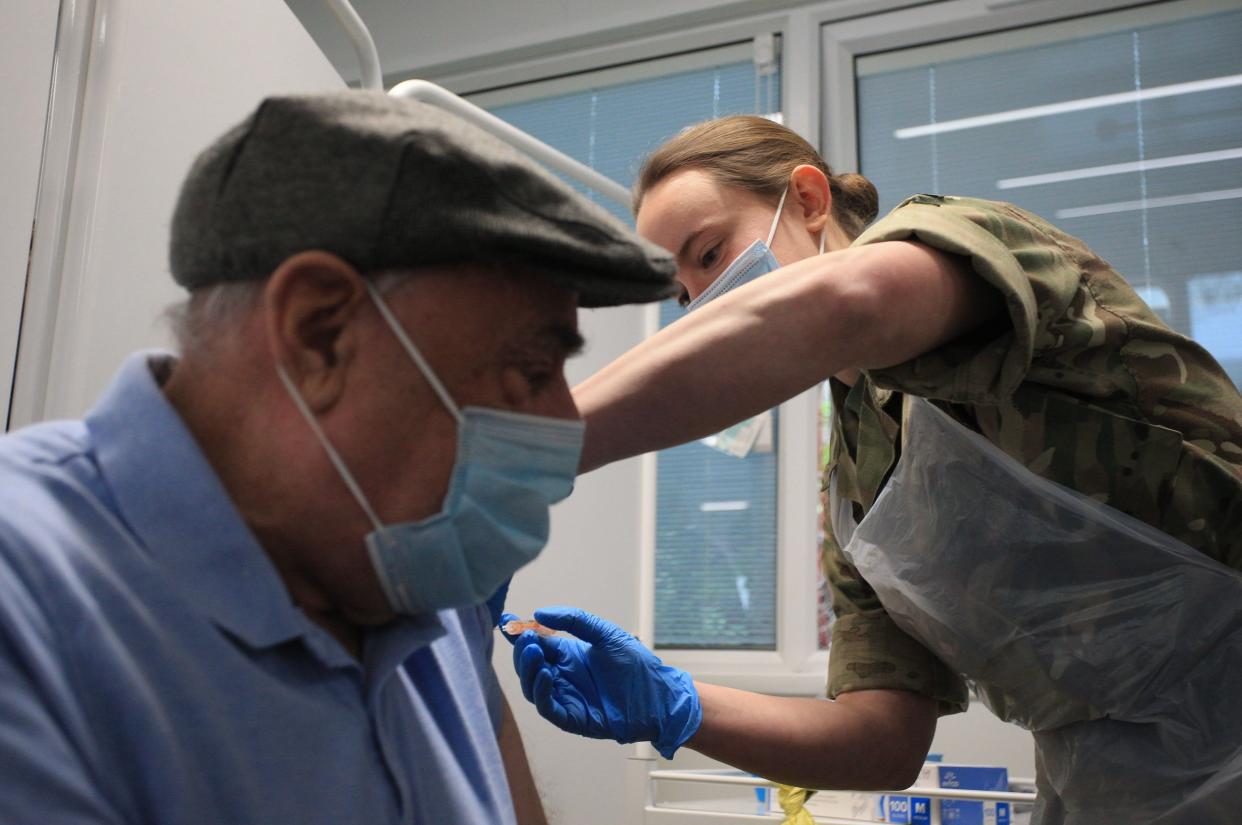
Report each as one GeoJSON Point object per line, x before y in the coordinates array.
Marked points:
{"type": "Point", "coordinates": [538, 378]}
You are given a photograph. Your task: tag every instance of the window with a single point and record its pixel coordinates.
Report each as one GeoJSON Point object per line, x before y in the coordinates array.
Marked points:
{"type": "Point", "coordinates": [716, 500]}
{"type": "Point", "coordinates": [611, 119]}
{"type": "Point", "coordinates": [716, 536]}
{"type": "Point", "coordinates": [1124, 129]}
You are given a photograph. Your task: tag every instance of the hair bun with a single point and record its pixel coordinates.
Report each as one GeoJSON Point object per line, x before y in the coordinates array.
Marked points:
{"type": "Point", "coordinates": [857, 196]}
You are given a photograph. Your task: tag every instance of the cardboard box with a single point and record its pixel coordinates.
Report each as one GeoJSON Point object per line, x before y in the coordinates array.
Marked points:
{"type": "Point", "coordinates": [921, 810]}
{"type": "Point", "coordinates": [911, 810]}
{"type": "Point", "coordinates": [968, 777]}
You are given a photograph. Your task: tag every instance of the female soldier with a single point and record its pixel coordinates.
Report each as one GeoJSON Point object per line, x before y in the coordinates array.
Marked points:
{"type": "Point", "coordinates": [968, 537]}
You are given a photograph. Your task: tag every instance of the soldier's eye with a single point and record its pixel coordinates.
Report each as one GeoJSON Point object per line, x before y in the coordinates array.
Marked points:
{"type": "Point", "coordinates": [710, 257]}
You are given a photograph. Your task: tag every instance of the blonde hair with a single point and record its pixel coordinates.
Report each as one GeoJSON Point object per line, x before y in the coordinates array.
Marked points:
{"type": "Point", "coordinates": [758, 155]}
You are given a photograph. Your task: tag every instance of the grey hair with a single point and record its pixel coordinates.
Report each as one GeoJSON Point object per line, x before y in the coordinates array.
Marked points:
{"type": "Point", "coordinates": [217, 313]}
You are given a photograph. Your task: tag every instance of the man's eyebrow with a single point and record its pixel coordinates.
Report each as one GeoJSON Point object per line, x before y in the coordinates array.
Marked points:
{"type": "Point", "coordinates": [568, 338]}
{"type": "Point", "coordinates": [561, 339]}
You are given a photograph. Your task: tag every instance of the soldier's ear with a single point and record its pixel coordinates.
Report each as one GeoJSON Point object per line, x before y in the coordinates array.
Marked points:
{"type": "Point", "coordinates": [811, 196]}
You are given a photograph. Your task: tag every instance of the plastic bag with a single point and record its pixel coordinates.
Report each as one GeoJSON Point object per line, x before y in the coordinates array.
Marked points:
{"type": "Point", "coordinates": [1119, 646]}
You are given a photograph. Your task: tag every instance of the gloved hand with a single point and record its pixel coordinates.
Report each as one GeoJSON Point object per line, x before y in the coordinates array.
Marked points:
{"type": "Point", "coordinates": [604, 684]}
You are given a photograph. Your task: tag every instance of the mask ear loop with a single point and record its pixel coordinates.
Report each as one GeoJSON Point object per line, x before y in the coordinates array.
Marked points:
{"type": "Point", "coordinates": [413, 352]}
{"type": "Point", "coordinates": [333, 455]}
{"type": "Point", "coordinates": [823, 239]}
{"type": "Point", "coordinates": [776, 219]}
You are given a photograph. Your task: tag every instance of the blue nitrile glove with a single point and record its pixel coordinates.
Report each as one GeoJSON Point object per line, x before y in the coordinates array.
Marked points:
{"type": "Point", "coordinates": [604, 684]}
{"type": "Point", "coordinates": [496, 602]}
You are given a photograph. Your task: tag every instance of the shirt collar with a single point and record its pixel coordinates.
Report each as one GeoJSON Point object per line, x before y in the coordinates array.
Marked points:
{"type": "Point", "coordinates": [174, 502]}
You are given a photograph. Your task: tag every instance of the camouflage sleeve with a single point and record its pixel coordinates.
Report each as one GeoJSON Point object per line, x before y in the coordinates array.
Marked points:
{"type": "Point", "coordinates": [868, 650]}
{"type": "Point", "coordinates": [1013, 253]}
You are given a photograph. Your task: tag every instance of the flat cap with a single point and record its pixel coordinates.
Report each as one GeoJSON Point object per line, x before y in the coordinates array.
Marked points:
{"type": "Point", "coordinates": [387, 183]}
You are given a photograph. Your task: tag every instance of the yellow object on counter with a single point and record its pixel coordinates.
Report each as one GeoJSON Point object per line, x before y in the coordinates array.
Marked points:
{"type": "Point", "coordinates": [792, 801]}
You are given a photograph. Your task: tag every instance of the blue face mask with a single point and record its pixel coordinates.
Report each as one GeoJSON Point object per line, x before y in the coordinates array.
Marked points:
{"type": "Point", "coordinates": [757, 259]}
{"type": "Point", "coordinates": [509, 469]}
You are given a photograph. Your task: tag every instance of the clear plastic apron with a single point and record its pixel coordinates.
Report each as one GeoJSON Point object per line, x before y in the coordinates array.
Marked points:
{"type": "Point", "coordinates": [1117, 645]}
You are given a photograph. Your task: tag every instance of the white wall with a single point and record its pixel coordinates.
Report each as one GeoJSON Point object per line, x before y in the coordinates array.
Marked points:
{"type": "Point", "coordinates": [27, 45]}
{"type": "Point", "coordinates": [165, 77]}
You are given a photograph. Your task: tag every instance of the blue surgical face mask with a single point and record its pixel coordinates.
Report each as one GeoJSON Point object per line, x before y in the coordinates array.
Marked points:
{"type": "Point", "coordinates": [509, 469]}
{"type": "Point", "coordinates": [755, 260]}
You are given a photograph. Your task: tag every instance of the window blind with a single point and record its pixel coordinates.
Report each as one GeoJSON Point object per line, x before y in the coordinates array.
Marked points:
{"type": "Point", "coordinates": [1125, 134]}
{"type": "Point", "coordinates": [716, 512]}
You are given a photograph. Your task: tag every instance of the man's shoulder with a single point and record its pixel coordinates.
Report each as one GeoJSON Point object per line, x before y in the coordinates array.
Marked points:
{"type": "Point", "coordinates": [32, 450]}
{"type": "Point", "coordinates": [475, 631]}
{"type": "Point", "coordinates": [469, 631]}
{"type": "Point", "coordinates": [48, 479]}
{"type": "Point", "coordinates": [475, 622]}
{"type": "Point", "coordinates": [41, 464]}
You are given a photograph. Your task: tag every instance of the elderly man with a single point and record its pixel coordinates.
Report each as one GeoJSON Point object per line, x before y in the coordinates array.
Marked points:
{"type": "Point", "coordinates": [248, 587]}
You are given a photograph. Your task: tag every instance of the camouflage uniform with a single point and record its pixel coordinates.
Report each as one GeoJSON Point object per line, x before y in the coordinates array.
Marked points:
{"type": "Point", "coordinates": [1082, 383]}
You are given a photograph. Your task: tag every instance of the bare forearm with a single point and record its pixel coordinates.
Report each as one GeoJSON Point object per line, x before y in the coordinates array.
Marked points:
{"type": "Point", "coordinates": [526, 802]}
{"type": "Point", "coordinates": [870, 740]}
{"type": "Point", "coordinates": [751, 349]}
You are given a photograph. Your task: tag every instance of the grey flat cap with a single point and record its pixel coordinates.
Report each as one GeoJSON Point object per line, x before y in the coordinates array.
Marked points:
{"type": "Point", "coordinates": [388, 183]}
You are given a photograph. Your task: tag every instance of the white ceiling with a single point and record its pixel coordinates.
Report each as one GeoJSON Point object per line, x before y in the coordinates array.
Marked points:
{"type": "Point", "coordinates": [433, 38]}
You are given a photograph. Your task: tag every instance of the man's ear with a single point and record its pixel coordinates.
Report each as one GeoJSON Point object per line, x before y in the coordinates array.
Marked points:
{"type": "Point", "coordinates": [813, 196]}
{"type": "Point", "coordinates": [308, 304]}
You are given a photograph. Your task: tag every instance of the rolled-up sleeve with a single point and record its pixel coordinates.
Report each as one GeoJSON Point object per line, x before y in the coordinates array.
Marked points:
{"type": "Point", "coordinates": [1013, 252]}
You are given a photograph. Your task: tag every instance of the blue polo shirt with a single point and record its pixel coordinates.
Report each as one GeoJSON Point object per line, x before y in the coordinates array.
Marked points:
{"type": "Point", "coordinates": [154, 670]}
